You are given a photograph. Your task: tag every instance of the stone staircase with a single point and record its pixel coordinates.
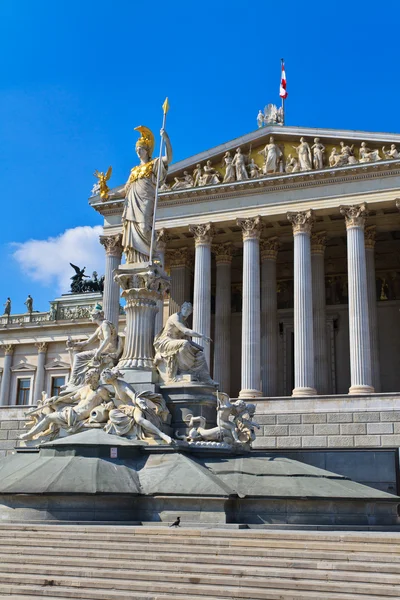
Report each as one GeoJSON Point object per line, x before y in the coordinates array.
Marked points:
{"type": "Point", "coordinates": [107, 562]}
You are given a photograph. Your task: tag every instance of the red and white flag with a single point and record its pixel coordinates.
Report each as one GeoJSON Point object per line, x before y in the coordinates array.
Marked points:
{"type": "Point", "coordinates": [282, 92]}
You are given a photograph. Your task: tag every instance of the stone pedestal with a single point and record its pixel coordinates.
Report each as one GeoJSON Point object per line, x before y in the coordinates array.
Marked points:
{"type": "Point", "coordinates": [6, 379]}
{"type": "Point", "coordinates": [269, 317]}
{"type": "Point", "coordinates": [251, 312]}
{"type": "Point", "coordinates": [322, 383]}
{"type": "Point", "coordinates": [303, 311]}
{"type": "Point", "coordinates": [39, 378]}
{"type": "Point", "coordinates": [222, 335]}
{"type": "Point", "coordinates": [143, 286]}
{"type": "Point", "coordinates": [113, 248]}
{"type": "Point", "coordinates": [187, 397]}
{"type": "Point", "coordinates": [202, 282]}
{"type": "Point", "coordinates": [360, 342]}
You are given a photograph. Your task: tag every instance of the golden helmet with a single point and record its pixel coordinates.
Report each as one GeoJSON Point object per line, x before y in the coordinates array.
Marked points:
{"type": "Point", "coordinates": [146, 139]}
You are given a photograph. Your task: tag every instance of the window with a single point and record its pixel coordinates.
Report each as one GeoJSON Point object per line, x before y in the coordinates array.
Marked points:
{"type": "Point", "coordinates": [23, 391]}
{"type": "Point", "coordinates": [56, 383]}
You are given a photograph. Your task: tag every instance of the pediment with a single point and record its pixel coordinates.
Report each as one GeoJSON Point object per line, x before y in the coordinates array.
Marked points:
{"type": "Point", "coordinates": [57, 364]}
{"type": "Point", "coordinates": [23, 366]}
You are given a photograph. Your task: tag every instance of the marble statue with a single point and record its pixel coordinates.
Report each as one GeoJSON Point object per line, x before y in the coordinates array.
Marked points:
{"type": "Point", "coordinates": [139, 192]}
{"type": "Point", "coordinates": [29, 304]}
{"type": "Point", "coordinates": [183, 183]}
{"type": "Point", "coordinates": [77, 284]}
{"type": "Point", "coordinates": [292, 164]}
{"type": "Point", "coordinates": [347, 153]}
{"type": "Point", "coordinates": [335, 158]}
{"type": "Point", "coordinates": [392, 153]}
{"type": "Point", "coordinates": [368, 155]}
{"type": "Point", "coordinates": [72, 417]}
{"type": "Point", "coordinates": [234, 423]}
{"type": "Point", "coordinates": [272, 156]}
{"type": "Point", "coordinates": [198, 175]}
{"type": "Point", "coordinates": [254, 169]}
{"type": "Point", "coordinates": [318, 150]}
{"type": "Point", "coordinates": [177, 354]}
{"type": "Point", "coordinates": [103, 178]}
{"type": "Point", "coordinates": [95, 191]}
{"type": "Point", "coordinates": [53, 312]}
{"type": "Point", "coordinates": [304, 154]}
{"type": "Point", "coordinates": [230, 172]}
{"type": "Point", "coordinates": [239, 162]}
{"type": "Point", "coordinates": [103, 356]}
{"type": "Point", "coordinates": [210, 175]}
{"type": "Point", "coordinates": [273, 115]}
{"type": "Point", "coordinates": [164, 187]}
{"type": "Point", "coordinates": [138, 416]}
{"type": "Point", "coordinates": [260, 119]}
{"type": "Point", "coordinates": [7, 307]}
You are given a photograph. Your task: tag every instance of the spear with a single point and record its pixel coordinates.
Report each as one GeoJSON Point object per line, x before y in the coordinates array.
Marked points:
{"type": "Point", "coordinates": [165, 108]}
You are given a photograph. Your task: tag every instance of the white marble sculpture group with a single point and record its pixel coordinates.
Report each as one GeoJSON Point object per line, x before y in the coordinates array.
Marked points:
{"type": "Point", "coordinates": [240, 166]}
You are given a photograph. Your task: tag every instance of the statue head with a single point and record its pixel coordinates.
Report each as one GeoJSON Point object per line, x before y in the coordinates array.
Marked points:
{"type": "Point", "coordinates": [239, 150]}
{"type": "Point", "coordinates": [97, 314]}
{"type": "Point", "coordinates": [393, 147]}
{"type": "Point", "coordinates": [186, 309]}
{"type": "Point", "coordinates": [92, 378]}
{"type": "Point", "coordinates": [363, 144]}
{"type": "Point", "coordinates": [316, 140]}
{"type": "Point", "coordinates": [301, 139]}
{"type": "Point", "coordinates": [271, 139]}
{"type": "Point", "coordinates": [110, 375]}
{"type": "Point", "coordinates": [145, 144]}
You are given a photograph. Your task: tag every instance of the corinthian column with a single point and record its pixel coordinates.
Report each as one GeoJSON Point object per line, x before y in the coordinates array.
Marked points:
{"type": "Point", "coordinates": [180, 261]}
{"type": "Point", "coordinates": [251, 319]}
{"type": "Point", "coordinates": [113, 248]}
{"type": "Point", "coordinates": [360, 341]}
{"type": "Point", "coordinates": [202, 281]}
{"type": "Point", "coordinates": [303, 310]}
{"type": "Point", "coordinates": [222, 341]}
{"type": "Point", "coordinates": [370, 235]}
{"type": "Point", "coordinates": [39, 378]}
{"type": "Point", "coordinates": [162, 238]}
{"type": "Point", "coordinates": [321, 372]}
{"type": "Point", "coordinates": [269, 317]}
{"type": "Point", "coordinates": [6, 379]}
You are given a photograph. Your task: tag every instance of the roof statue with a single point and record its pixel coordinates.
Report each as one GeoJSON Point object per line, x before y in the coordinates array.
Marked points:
{"type": "Point", "coordinates": [101, 188]}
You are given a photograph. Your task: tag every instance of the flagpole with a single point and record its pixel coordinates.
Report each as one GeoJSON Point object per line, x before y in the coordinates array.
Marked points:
{"type": "Point", "coordinates": [283, 99]}
{"type": "Point", "coordinates": [165, 107]}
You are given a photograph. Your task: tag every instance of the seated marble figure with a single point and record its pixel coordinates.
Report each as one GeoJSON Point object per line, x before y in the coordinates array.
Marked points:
{"type": "Point", "coordinates": [177, 354]}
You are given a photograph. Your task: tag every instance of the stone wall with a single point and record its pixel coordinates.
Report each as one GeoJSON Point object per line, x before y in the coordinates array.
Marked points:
{"type": "Point", "coordinates": [12, 420]}
{"type": "Point", "coordinates": [329, 422]}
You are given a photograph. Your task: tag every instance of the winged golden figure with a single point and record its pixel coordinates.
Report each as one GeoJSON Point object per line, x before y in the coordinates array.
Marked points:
{"type": "Point", "coordinates": [103, 178]}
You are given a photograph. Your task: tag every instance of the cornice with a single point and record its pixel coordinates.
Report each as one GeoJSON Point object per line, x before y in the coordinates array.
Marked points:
{"type": "Point", "coordinates": [273, 183]}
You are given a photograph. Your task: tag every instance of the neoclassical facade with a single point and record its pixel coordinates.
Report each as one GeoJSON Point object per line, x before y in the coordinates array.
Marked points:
{"type": "Point", "coordinates": [293, 269]}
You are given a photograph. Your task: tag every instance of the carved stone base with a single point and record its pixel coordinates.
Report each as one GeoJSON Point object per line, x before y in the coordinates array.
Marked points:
{"type": "Point", "coordinates": [185, 399]}
{"type": "Point", "coordinates": [306, 391]}
{"type": "Point", "coordinates": [250, 394]}
{"type": "Point", "coordinates": [361, 389]}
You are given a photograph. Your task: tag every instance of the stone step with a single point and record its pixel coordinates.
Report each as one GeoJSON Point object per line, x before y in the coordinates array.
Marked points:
{"type": "Point", "coordinates": [163, 530]}
{"type": "Point", "coordinates": [32, 592]}
{"type": "Point", "coordinates": [131, 550]}
{"type": "Point", "coordinates": [236, 542]}
{"type": "Point", "coordinates": [250, 576]}
{"type": "Point", "coordinates": [244, 588]}
{"type": "Point", "coordinates": [98, 558]}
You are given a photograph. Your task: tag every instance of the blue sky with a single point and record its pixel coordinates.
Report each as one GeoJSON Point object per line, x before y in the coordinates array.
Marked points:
{"type": "Point", "coordinates": [77, 76]}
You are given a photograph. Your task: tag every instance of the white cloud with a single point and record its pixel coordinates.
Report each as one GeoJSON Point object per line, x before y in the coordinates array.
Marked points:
{"type": "Point", "coordinates": [47, 261]}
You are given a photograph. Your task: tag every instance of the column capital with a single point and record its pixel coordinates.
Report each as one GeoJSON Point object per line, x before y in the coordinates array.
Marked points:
{"type": "Point", "coordinates": [179, 257]}
{"type": "Point", "coordinates": [269, 248]}
{"type": "Point", "coordinates": [42, 347]}
{"type": "Point", "coordinates": [301, 221]}
{"type": "Point", "coordinates": [203, 233]}
{"type": "Point", "coordinates": [9, 349]}
{"type": "Point", "coordinates": [112, 244]}
{"type": "Point", "coordinates": [162, 238]}
{"type": "Point", "coordinates": [251, 228]}
{"type": "Point", "coordinates": [370, 237]}
{"type": "Point", "coordinates": [223, 252]}
{"type": "Point", "coordinates": [354, 214]}
{"type": "Point", "coordinates": [318, 242]}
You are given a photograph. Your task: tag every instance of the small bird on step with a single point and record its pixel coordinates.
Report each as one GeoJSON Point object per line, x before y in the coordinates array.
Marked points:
{"type": "Point", "coordinates": [176, 523]}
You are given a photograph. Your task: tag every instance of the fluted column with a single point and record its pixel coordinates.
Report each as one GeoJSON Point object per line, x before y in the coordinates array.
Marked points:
{"type": "Point", "coordinates": [360, 341]}
{"type": "Point", "coordinates": [222, 336]}
{"type": "Point", "coordinates": [180, 261]}
{"type": "Point", "coordinates": [251, 311]}
{"type": "Point", "coordinates": [6, 379]}
{"type": "Point", "coordinates": [304, 383]}
{"type": "Point", "coordinates": [113, 247]}
{"type": "Point", "coordinates": [162, 238]}
{"type": "Point", "coordinates": [370, 235]}
{"type": "Point", "coordinates": [202, 282]}
{"type": "Point", "coordinates": [269, 317]}
{"type": "Point", "coordinates": [321, 371]}
{"type": "Point", "coordinates": [39, 377]}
